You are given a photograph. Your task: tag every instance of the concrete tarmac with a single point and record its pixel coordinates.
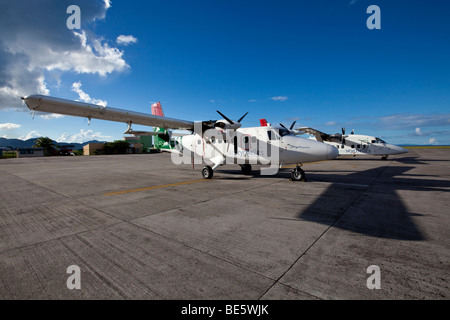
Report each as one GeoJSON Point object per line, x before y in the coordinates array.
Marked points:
{"type": "Point", "coordinates": [140, 227]}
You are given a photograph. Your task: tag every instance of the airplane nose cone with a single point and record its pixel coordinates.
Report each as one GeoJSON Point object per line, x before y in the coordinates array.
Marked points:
{"type": "Point", "coordinates": [396, 149]}
{"type": "Point", "coordinates": [332, 152]}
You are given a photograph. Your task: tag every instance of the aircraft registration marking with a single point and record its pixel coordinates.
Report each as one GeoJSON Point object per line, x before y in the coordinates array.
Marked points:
{"type": "Point", "coordinates": [154, 187]}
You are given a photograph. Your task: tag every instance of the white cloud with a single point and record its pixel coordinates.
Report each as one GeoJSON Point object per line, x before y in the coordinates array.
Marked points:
{"type": "Point", "coordinates": [29, 52]}
{"type": "Point", "coordinates": [418, 132]}
{"type": "Point", "coordinates": [126, 40]}
{"type": "Point", "coordinates": [30, 135]}
{"type": "Point", "coordinates": [279, 98]}
{"type": "Point", "coordinates": [432, 141]}
{"type": "Point", "coordinates": [51, 116]}
{"type": "Point", "coordinates": [331, 123]}
{"type": "Point", "coordinates": [76, 87]}
{"type": "Point", "coordinates": [91, 57]}
{"type": "Point", "coordinates": [9, 126]}
{"type": "Point", "coordinates": [107, 3]}
{"type": "Point", "coordinates": [83, 136]}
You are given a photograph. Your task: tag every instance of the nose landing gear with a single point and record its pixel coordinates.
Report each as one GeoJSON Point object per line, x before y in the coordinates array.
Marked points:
{"type": "Point", "coordinates": [298, 174]}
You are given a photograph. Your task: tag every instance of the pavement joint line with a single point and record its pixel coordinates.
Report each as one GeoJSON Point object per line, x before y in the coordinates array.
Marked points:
{"type": "Point", "coordinates": [323, 233]}
{"type": "Point", "coordinates": [203, 252]}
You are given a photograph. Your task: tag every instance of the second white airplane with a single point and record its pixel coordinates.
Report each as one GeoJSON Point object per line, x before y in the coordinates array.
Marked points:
{"type": "Point", "coordinates": [355, 144]}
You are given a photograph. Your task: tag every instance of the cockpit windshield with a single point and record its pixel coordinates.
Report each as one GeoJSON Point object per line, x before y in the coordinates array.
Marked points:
{"type": "Point", "coordinates": [378, 140]}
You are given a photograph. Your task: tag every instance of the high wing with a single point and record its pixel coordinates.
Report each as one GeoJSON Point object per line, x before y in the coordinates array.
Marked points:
{"type": "Point", "coordinates": [320, 136]}
{"type": "Point", "coordinates": [87, 110]}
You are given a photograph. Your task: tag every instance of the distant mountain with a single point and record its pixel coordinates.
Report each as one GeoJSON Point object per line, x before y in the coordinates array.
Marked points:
{"type": "Point", "coordinates": [17, 143]}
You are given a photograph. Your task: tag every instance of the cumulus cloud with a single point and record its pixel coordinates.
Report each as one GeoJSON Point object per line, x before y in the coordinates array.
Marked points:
{"type": "Point", "coordinates": [418, 131]}
{"type": "Point", "coordinates": [30, 135]}
{"type": "Point", "coordinates": [279, 98]}
{"type": "Point", "coordinates": [126, 40]}
{"type": "Point", "coordinates": [83, 136]}
{"type": "Point", "coordinates": [432, 141]}
{"type": "Point", "coordinates": [35, 42]}
{"type": "Point", "coordinates": [76, 87]}
{"type": "Point", "coordinates": [9, 126]}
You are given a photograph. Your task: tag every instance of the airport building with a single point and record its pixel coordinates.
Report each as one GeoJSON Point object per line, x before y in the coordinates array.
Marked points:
{"type": "Point", "coordinates": [29, 152]}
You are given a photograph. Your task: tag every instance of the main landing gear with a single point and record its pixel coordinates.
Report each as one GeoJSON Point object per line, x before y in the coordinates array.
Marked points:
{"type": "Point", "coordinates": [207, 172]}
{"type": "Point", "coordinates": [298, 174]}
{"type": "Point", "coordinates": [246, 168]}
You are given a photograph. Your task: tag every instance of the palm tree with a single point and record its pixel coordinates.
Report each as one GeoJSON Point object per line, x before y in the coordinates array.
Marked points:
{"type": "Point", "coordinates": [46, 143]}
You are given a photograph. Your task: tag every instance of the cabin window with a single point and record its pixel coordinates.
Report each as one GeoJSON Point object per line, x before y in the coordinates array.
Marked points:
{"type": "Point", "coordinates": [254, 139]}
{"type": "Point", "coordinates": [353, 146]}
{"type": "Point", "coordinates": [199, 141]}
{"type": "Point", "coordinates": [358, 146]}
{"type": "Point", "coordinates": [269, 133]}
{"type": "Point", "coordinates": [213, 140]}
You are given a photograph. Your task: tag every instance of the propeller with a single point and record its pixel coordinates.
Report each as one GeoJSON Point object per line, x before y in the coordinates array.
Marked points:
{"type": "Point", "coordinates": [290, 128]}
{"type": "Point", "coordinates": [225, 117]}
{"type": "Point", "coordinates": [231, 124]}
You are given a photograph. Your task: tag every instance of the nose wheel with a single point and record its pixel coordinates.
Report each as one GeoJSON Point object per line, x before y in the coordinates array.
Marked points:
{"type": "Point", "coordinates": [298, 174]}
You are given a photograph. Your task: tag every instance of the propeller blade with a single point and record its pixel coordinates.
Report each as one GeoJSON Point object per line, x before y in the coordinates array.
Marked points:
{"type": "Point", "coordinates": [223, 116]}
{"type": "Point", "coordinates": [292, 125]}
{"type": "Point", "coordinates": [240, 119]}
{"type": "Point", "coordinates": [283, 126]}
{"type": "Point", "coordinates": [343, 130]}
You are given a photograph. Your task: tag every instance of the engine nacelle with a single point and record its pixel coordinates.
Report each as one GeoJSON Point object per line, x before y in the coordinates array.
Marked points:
{"type": "Point", "coordinates": [224, 124]}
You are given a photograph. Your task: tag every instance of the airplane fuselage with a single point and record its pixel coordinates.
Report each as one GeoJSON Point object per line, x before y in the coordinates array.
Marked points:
{"type": "Point", "coordinates": [255, 145]}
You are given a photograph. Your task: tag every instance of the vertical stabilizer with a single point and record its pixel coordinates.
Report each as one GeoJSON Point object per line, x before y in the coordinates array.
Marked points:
{"type": "Point", "coordinates": [157, 109]}
{"type": "Point", "coordinates": [162, 140]}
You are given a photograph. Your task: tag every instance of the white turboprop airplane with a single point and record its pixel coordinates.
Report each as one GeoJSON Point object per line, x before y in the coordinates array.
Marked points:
{"type": "Point", "coordinates": [355, 144]}
{"type": "Point", "coordinates": [218, 142]}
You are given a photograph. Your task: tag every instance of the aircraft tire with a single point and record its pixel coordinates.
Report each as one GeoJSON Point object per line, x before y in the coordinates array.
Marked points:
{"type": "Point", "coordinates": [246, 168]}
{"type": "Point", "coordinates": [207, 172]}
{"type": "Point", "coordinates": [298, 175]}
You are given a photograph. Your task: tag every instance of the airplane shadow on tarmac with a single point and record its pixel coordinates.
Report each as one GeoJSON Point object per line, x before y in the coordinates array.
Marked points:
{"type": "Point", "coordinates": [375, 209]}
{"type": "Point", "coordinates": [367, 202]}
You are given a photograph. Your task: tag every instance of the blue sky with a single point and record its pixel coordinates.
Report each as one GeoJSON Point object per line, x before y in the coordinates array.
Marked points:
{"type": "Point", "coordinates": [315, 62]}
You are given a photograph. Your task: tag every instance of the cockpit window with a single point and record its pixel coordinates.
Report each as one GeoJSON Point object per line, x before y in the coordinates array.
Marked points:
{"type": "Point", "coordinates": [378, 140]}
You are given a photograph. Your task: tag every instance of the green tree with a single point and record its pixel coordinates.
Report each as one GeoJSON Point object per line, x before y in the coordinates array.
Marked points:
{"type": "Point", "coordinates": [46, 143]}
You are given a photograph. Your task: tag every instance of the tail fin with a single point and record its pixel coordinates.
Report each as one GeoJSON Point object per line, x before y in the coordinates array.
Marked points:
{"type": "Point", "coordinates": [162, 140]}
{"type": "Point", "coordinates": [263, 122]}
{"type": "Point", "coordinates": [157, 109]}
